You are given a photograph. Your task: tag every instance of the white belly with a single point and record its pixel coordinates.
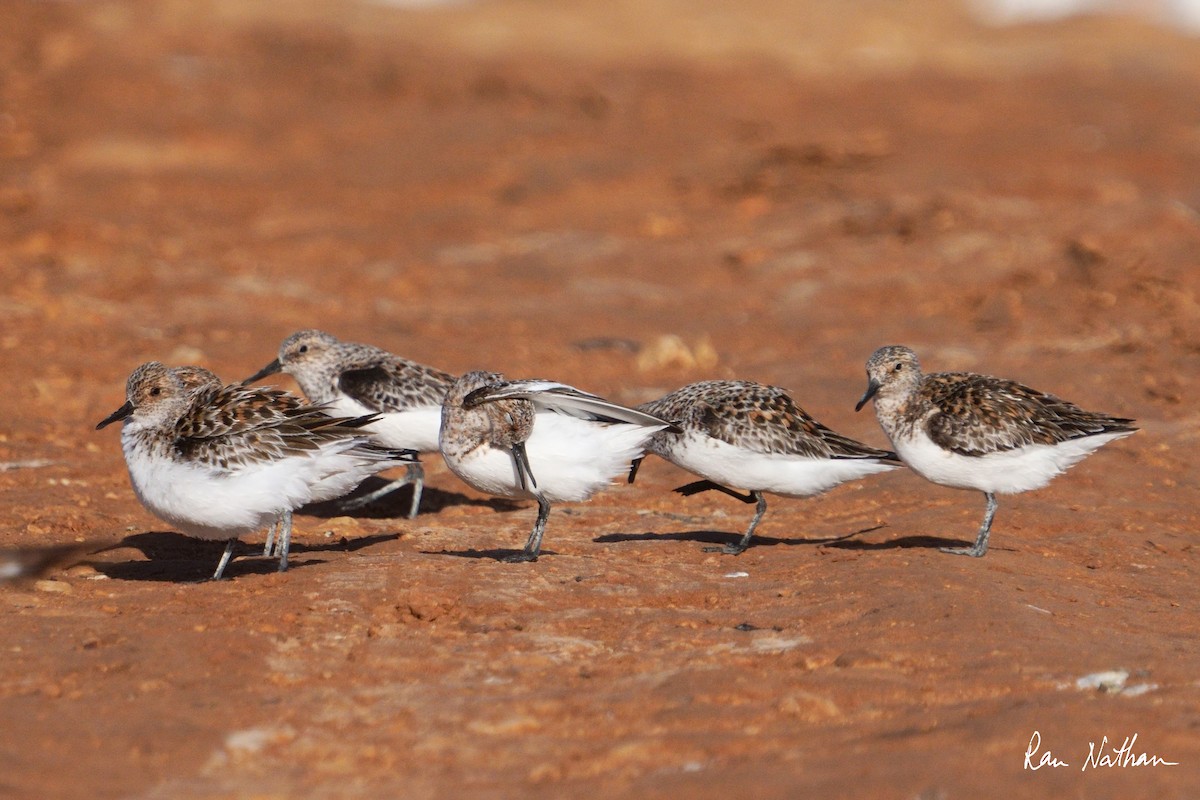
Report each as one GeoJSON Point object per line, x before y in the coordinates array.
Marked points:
{"type": "Point", "coordinates": [570, 458]}
{"type": "Point", "coordinates": [787, 475]}
{"type": "Point", "coordinates": [212, 503]}
{"type": "Point", "coordinates": [1004, 472]}
{"type": "Point", "coordinates": [203, 503]}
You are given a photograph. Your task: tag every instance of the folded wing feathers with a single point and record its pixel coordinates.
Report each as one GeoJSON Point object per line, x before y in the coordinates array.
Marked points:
{"type": "Point", "coordinates": [570, 401]}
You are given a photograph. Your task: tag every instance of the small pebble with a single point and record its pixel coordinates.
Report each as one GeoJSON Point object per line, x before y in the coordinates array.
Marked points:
{"type": "Point", "coordinates": [1108, 681]}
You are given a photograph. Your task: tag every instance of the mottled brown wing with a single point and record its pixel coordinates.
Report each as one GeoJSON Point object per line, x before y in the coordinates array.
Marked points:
{"type": "Point", "coordinates": [766, 419]}
{"type": "Point", "coordinates": [234, 426]}
{"type": "Point", "coordinates": [395, 385]}
{"type": "Point", "coordinates": [979, 414]}
{"type": "Point", "coordinates": [222, 410]}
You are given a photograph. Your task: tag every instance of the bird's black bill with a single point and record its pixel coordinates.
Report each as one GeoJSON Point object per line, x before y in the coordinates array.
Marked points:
{"type": "Point", "coordinates": [872, 388]}
{"type": "Point", "coordinates": [121, 413]}
{"type": "Point", "coordinates": [524, 472]}
{"type": "Point", "coordinates": [477, 396]}
{"type": "Point", "coordinates": [270, 369]}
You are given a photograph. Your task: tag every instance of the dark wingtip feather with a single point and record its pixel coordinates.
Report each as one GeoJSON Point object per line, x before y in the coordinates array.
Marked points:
{"type": "Point", "coordinates": [696, 487]}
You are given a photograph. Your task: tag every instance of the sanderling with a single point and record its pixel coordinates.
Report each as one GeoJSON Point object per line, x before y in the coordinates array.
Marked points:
{"type": "Point", "coordinates": [27, 563]}
{"type": "Point", "coordinates": [217, 461]}
{"type": "Point", "coordinates": [336, 485]}
{"type": "Point", "coordinates": [978, 432]}
{"type": "Point", "coordinates": [540, 440]}
{"type": "Point", "coordinates": [355, 379]}
{"type": "Point", "coordinates": [754, 437]}
{"type": "Point", "coordinates": [196, 378]}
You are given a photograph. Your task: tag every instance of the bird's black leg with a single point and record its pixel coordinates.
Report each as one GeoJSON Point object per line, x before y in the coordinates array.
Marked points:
{"type": "Point", "coordinates": [740, 547]}
{"type": "Point", "coordinates": [285, 539]}
{"type": "Point", "coordinates": [981, 541]}
{"type": "Point", "coordinates": [414, 474]}
{"type": "Point", "coordinates": [709, 486]}
{"type": "Point", "coordinates": [533, 547]}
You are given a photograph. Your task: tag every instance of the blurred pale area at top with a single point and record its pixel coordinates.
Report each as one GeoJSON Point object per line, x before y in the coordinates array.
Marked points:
{"type": "Point", "coordinates": [1183, 14]}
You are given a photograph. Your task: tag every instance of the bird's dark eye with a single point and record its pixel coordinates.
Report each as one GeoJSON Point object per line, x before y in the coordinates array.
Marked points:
{"type": "Point", "coordinates": [303, 348]}
{"type": "Point", "coordinates": [155, 392]}
{"type": "Point", "coordinates": [899, 367]}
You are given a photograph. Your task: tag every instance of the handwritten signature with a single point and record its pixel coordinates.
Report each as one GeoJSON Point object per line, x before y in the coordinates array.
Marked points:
{"type": "Point", "coordinates": [1099, 755]}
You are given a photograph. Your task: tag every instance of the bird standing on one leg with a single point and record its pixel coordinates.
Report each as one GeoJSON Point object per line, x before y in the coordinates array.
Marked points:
{"type": "Point", "coordinates": [751, 436]}
{"type": "Point", "coordinates": [354, 379]}
{"type": "Point", "coordinates": [973, 431]}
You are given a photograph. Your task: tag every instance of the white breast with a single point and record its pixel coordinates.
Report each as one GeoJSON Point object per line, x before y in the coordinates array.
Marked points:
{"type": "Point", "coordinates": [489, 469]}
{"type": "Point", "coordinates": [212, 503]}
{"type": "Point", "coordinates": [201, 502]}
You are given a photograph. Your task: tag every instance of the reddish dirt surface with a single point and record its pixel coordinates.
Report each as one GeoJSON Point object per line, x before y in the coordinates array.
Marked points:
{"type": "Point", "coordinates": [557, 193]}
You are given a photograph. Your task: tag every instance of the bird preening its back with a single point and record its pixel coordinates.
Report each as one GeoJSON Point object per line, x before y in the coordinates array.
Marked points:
{"type": "Point", "coordinates": [218, 461]}
{"type": "Point", "coordinates": [538, 439]}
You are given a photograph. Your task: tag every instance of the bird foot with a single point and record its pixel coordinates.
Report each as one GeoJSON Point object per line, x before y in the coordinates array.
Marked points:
{"type": "Point", "coordinates": [358, 502]}
{"type": "Point", "coordinates": [973, 552]}
{"type": "Point", "coordinates": [727, 549]}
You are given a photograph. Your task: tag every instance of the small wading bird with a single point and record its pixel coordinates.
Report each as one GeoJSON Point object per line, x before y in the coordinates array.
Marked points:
{"type": "Point", "coordinates": [27, 563]}
{"type": "Point", "coordinates": [539, 440]}
{"type": "Point", "coordinates": [353, 379]}
{"type": "Point", "coordinates": [218, 462]}
{"type": "Point", "coordinates": [973, 431]}
{"type": "Point", "coordinates": [747, 435]}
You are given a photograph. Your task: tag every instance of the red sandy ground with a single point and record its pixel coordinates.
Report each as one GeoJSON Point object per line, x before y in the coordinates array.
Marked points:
{"type": "Point", "coordinates": [555, 190]}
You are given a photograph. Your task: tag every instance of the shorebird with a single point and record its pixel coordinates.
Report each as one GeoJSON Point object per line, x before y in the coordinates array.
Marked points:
{"type": "Point", "coordinates": [755, 437]}
{"type": "Point", "coordinates": [978, 432]}
{"type": "Point", "coordinates": [217, 462]}
{"type": "Point", "coordinates": [540, 440]}
{"type": "Point", "coordinates": [27, 563]}
{"type": "Point", "coordinates": [352, 380]}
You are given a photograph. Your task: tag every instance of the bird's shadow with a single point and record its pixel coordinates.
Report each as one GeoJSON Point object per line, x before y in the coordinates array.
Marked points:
{"type": "Point", "coordinates": [725, 537]}
{"type": "Point", "coordinates": [903, 543]}
{"type": "Point", "coordinates": [908, 542]}
{"type": "Point", "coordinates": [397, 503]}
{"type": "Point", "coordinates": [173, 557]}
{"type": "Point", "coordinates": [497, 554]}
